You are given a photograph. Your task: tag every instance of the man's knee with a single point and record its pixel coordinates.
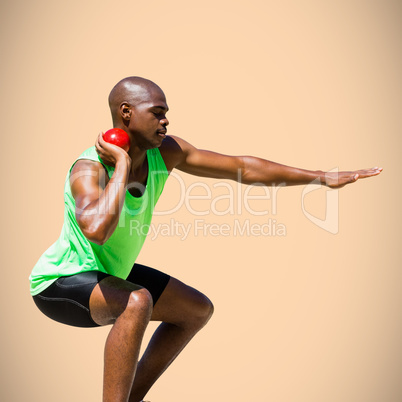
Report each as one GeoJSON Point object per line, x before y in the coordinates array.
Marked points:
{"type": "Point", "coordinates": [202, 310]}
{"type": "Point", "coordinates": [140, 302]}
{"type": "Point", "coordinates": [207, 308]}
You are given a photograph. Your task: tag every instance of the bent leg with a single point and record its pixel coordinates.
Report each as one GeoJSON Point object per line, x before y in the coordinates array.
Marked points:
{"type": "Point", "coordinates": [183, 311]}
{"type": "Point", "coordinates": [128, 307]}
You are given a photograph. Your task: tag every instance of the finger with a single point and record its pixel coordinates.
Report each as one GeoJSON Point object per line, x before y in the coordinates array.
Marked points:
{"type": "Point", "coordinates": [100, 140]}
{"type": "Point", "coordinates": [369, 172]}
{"type": "Point", "coordinates": [98, 146]}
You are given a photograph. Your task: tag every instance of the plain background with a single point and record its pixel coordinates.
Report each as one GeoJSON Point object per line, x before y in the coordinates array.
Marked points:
{"type": "Point", "coordinates": [306, 317]}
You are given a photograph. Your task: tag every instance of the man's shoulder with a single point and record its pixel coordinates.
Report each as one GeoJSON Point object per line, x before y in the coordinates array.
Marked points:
{"type": "Point", "coordinates": [170, 144]}
{"type": "Point", "coordinates": [171, 152]}
{"type": "Point", "coordinates": [88, 161]}
{"type": "Point", "coordinates": [88, 157]}
{"type": "Point", "coordinates": [89, 153]}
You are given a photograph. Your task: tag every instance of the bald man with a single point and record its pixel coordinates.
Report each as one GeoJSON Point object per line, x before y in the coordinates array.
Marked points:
{"type": "Point", "coordinates": [89, 277]}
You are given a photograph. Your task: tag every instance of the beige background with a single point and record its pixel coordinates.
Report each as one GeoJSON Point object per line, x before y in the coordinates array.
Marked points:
{"type": "Point", "coordinates": [306, 317]}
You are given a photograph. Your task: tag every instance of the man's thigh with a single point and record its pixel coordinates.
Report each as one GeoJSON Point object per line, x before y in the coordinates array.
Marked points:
{"type": "Point", "coordinates": [153, 280]}
{"type": "Point", "coordinates": [67, 299]}
{"type": "Point", "coordinates": [109, 299]}
{"type": "Point", "coordinates": [174, 301]}
{"type": "Point", "coordinates": [110, 296]}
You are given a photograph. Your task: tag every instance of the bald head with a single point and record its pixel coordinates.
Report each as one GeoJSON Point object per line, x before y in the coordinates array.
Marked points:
{"type": "Point", "coordinates": [131, 90]}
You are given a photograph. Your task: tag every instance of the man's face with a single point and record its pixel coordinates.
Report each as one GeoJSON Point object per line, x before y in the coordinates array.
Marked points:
{"type": "Point", "coordinates": [148, 120]}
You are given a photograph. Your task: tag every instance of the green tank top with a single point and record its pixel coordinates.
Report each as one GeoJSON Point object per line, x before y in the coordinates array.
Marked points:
{"type": "Point", "coordinates": [73, 253]}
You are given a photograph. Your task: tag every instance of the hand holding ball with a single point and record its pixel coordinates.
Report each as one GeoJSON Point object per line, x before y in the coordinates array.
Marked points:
{"type": "Point", "coordinates": [119, 137]}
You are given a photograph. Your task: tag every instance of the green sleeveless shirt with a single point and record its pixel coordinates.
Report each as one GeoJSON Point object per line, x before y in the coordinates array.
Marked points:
{"type": "Point", "coordinates": [73, 253]}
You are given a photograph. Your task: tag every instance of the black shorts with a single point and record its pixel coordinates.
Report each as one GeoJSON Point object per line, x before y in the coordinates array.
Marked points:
{"type": "Point", "coordinates": [67, 299]}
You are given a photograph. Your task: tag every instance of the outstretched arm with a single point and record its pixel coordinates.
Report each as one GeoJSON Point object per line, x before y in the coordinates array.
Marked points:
{"type": "Point", "coordinates": [253, 170]}
{"type": "Point", "coordinates": [258, 170]}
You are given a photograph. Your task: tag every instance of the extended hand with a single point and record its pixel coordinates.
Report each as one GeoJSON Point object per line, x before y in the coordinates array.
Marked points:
{"type": "Point", "coordinates": [340, 179]}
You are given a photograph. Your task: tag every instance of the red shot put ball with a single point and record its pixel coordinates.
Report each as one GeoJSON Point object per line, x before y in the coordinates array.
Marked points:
{"type": "Point", "coordinates": [118, 137]}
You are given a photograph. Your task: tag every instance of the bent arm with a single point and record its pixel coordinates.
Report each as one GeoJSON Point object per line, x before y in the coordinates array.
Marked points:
{"type": "Point", "coordinates": [99, 201]}
{"type": "Point", "coordinates": [98, 206]}
{"type": "Point", "coordinates": [253, 170]}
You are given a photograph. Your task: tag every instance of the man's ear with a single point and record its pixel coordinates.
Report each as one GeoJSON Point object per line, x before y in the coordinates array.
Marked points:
{"type": "Point", "coordinates": [125, 110]}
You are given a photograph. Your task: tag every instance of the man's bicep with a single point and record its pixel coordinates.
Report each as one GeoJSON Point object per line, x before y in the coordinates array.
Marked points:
{"type": "Point", "coordinates": [87, 181]}
{"type": "Point", "coordinates": [205, 163]}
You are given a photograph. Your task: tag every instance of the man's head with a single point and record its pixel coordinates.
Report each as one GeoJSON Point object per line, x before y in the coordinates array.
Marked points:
{"type": "Point", "coordinates": [139, 106]}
